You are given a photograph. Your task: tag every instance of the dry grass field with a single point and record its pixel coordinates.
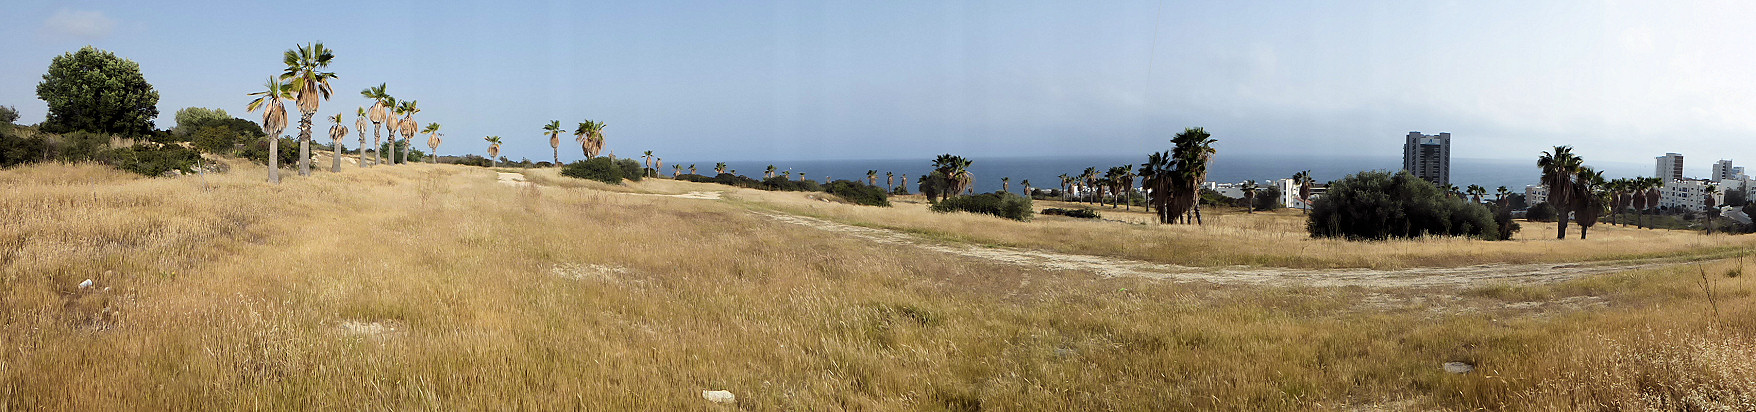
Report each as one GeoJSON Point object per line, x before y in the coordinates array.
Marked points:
{"type": "Point", "coordinates": [437, 287]}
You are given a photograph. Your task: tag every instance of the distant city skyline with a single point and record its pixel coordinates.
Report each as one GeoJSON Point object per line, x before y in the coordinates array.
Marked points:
{"type": "Point", "coordinates": [813, 80]}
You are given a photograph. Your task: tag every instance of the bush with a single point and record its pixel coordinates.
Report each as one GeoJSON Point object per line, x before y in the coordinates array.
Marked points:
{"type": "Point", "coordinates": [900, 190]}
{"type": "Point", "coordinates": [257, 151]}
{"type": "Point", "coordinates": [1079, 213]}
{"type": "Point", "coordinates": [1503, 221]}
{"type": "Point", "coordinates": [8, 115]}
{"type": "Point", "coordinates": [153, 159]}
{"type": "Point", "coordinates": [601, 169]}
{"type": "Point", "coordinates": [471, 160]}
{"type": "Point", "coordinates": [1002, 204]}
{"type": "Point", "coordinates": [631, 169]}
{"type": "Point", "coordinates": [1268, 199]}
{"type": "Point", "coordinates": [1379, 205]}
{"type": "Point", "coordinates": [858, 193]}
{"type": "Point", "coordinates": [1542, 212]}
{"type": "Point", "coordinates": [783, 183]}
{"type": "Point", "coordinates": [17, 148]}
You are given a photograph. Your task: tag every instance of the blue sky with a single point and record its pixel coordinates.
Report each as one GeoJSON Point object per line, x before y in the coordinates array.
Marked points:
{"type": "Point", "coordinates": [706, 80]}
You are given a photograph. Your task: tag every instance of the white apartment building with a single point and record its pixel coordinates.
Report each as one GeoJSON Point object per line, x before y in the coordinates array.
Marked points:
{"type": "Point", "coordinates": [1688, 194]}
{"type": "Point", "coordinates": [1289, 193]}
{"type": "Point", "coordinates": [1535, 194]}
{"type": "Point", "coordinates": [1670, 166]}
{"type": "Point", "coordinates": [1723, 170]}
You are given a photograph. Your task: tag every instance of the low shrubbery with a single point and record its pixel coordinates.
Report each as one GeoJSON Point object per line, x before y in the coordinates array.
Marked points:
{"type": "Point", "coordinates": [603, 169]}
{"type": "Point", "coordinates": [858, 193]}
{"type": "Point", "coordinates": [257, 151]}
{"type": "Point", "coordinates": [1079, 213]}
{"type": "Point", "coordinates": [153, 159]}
{"type": "Point", "coordinates": [1542, 212]}
{"type": "Point", "coordinates": [727, 179]}
{"type": "Point", "coordinates": [785, 184]}
{"type": "Point", "coordinates": [1379, 205]}
{"type": "Point", "coordinates": [1002, 204]}
{"type": "Point", "coordinates": [25, 145]}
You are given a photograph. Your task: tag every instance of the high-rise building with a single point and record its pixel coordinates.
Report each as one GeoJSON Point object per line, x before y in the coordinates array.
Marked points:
{"type": "Point", "coordinates": [1723, 170]}
{"type": "Point", "coordinates": [1428, 157]}
{"type": "Point", "coordinates": [1670, 166]}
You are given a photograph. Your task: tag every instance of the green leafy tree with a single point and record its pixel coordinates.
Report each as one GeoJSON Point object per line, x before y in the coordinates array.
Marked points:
{"type": "Point", "coordinates": [8, 115]}
{"type": "Point", "coordinates": [189, 118]}
{"type": "Point", "coordinates": [93, 90]}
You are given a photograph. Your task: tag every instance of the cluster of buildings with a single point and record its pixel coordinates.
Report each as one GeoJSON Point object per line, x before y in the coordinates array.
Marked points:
{"type": "Point", "coordinates": [1678, 191]}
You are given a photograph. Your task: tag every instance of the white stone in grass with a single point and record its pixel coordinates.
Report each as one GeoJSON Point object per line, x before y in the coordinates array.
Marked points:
{"type": "Point", "coordinates": [86, 284]}
{"type": "Point", "coordinates": [719, 396]}
{"type": "Point", "coordinates": [1459, 367]}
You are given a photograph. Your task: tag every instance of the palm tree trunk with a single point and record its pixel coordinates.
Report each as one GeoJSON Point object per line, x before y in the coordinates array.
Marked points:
{"type": "Point", "coordinates": [377, 154]}
{"type": "Point", "coordinates": [274, 159]}
{"type": "Point", "coordinates": [1561, 224]}
{"type": "Point", "coordinates": [558, 156]}
{"type": "Point", "coordinates": [1582, 229]}
{"type": "Point", "coordinates": [305, 144]}
{"type": "Point", "coordinates": [362, 149]}
{"type": "Point", "coordinates": [405, 151]}
{"type": "Point", "coordinates": [336, 151]}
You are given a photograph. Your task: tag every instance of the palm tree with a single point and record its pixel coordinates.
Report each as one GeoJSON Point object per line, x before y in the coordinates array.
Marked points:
{"type": "Point", "coordinates": [905, 182]}
{"type": "Point", "coordinates": [433, 142]}
{"type": "Point", "coordinates": [1559, 169]}
{"type": "Point", "coordinates": [274, 120]}
{"type": "Point", "coordinates": [1026, 184]}
{"type": "Point", "coordinates": [493, 150]}
{"type": "Point", "coordinates": [788, 175]}
{"type": "Point", "coordinates": [889, 181]}
{"type": "Point", "coordinates": [719, 168]}
{"type": "Point", "coordinates": [409, 128]}
{"type": "Point", "coordinates": [648, 171]}
{"type": "Point", "coordinates": [360, 124]}
{"type": "Point", "coordinates": [1066, 185]}
{"type": "Point", "coordinates": [1191, 152]}
{"type": "Point", "coordinates": [310, 85]}
{"type": "Point", "coordinates": [658, 165]}
{"type": "Point", "coordinates": [676, 170]}
{"type": "Point", "coordinates": [1088, 179]}
{"type": "Point", "coordinates": [691, 169]}
{"type": "Point", "coordinates": [1156, 175]}
{"type": "Point", "coordinates": [1475, 193]}
{"type": "Point", "coordinates": [336, 132]}
{"type": "Point", "coordinates": [590, 136]}
{"type": "Point", "coordinates": [872, 178]}
{"type": "Point", "coordinates": [380, 105]}
{"type": "Point", "coordinates": [956, 171]}
{"type": "Point", "coordinates": [1006, 184]}
{"type": "Point", "coordinates": [801, 175]}
{"type": "Point", "coordinates": [1249, 189]}
{"type": "Point", "coordinates": [554, 131]}
{"type": "Point", "coordinates": [1502, 194]}
{"type": "Point", "coordinates": [1303, 180]}
{"type": "Point", "coordinates": [768, 173]}
{"type": "Point", "coordinates": [1588, 198]}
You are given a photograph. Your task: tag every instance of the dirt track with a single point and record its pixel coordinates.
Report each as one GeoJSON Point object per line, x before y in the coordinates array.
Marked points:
{"type": "Point", "coordinates": [1109, 266]}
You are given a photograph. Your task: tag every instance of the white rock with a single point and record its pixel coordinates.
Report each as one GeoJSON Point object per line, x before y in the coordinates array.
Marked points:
{"type": "Point", "coordinates": [1459, 367]}
{"type": "Point", "coordinates": [719, 396]}
{"type": "Point", "coordinates": [86, 284]}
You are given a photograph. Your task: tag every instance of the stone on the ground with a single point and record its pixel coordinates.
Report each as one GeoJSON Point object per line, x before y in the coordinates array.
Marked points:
{"type": "Point", "coordinates": [1459, 367]}
{"type": "Point", "coordinates": [86, 284]}
{"type": "Point", "coordinates": [719, 396]}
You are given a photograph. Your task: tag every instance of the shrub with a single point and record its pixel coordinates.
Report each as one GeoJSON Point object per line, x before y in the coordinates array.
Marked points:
{"type": "Point", "coordinates": [153, 159]}
{"type": "Point", "coordinates": [257, 151]}
{"type": "Point", "coordinates": [1503, 221]}
{"type": "Point", "coordinates": [782, 183]}
{"type": "Point", "coordinates": [1268, 199]}
{"type": "Point", "coordinates": [631, 169]}
{"type": "Point", "coordinates": [17, 148]}
{"type": "Point", "coordinates": [1002, 204]}
{"type": "Point", "coordinates": [80, 146]}
{"type": "Point", "coordinates": [471, 160]}
{"type": "Point", "coordinates": [858, 193]}
{"type": "Point", "coordinates": [1079, 213]}
{"type": "Point", "coordinates": [900, 190]}
{"type": "Point", "coordinates": [1379, 205]}
{"type": "Point", "coordinates": [1542, 212]}
{"type": "Point", "coordinates": [601, 169]}
{"type": "Point", "coordinates": [8, 115]}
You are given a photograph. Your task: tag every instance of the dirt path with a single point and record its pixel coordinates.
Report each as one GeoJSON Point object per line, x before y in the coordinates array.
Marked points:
{"type": "Point", "coordinates": [1109, 266]}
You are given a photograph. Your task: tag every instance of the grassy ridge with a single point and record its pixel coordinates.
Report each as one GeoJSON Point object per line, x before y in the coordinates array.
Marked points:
{"type": "Point", "coordinates": [435, 287]}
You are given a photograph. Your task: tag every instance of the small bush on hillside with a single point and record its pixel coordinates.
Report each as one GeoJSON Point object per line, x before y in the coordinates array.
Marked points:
{"type": "Point", "coordinates": [727, 179]}
{"type": "Point", "coordinates": [257, 151]}
{"type": "Point", "coordinates": [858, 193]}
{"type": "Point", "coordinates": [631, 169]}
{"type": "Point", "coordinates": [1379, 205]}
{"type": "Point", "coordinates": [1002, 204]}
{"type": "Point", "coordinates": [17, 148]}
{"type": "Point", "coordinates": [153, 159]}
{"type": "Point", "coordinates": [1078, 213]}
{"type": "Point", "coordinates": [900, 190]}
{"type": "Point", "coordinates": [1503, 221]}
{"type": "Point", "coordinates": [79, 146]}
{"type": "Point", "coordinates": [471, 160]}
{"type": "Point", "coordinates": [785, 184]}
{"type": "Point", "coordinates": [1542, 212]}
{"type": "Point", "coordinates": [601, 169]}
{"type": "Point", "coordinates": [8, 115]}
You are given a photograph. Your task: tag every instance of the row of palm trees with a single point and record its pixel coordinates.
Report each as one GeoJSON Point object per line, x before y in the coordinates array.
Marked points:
{"type": "Point", "coordinates": [1580, 193]}
{"type": "Point", "coordinates": [589, 134]}
{"type": "Point", "coordinates": [1115, 184]}
{"type": "Point", "coordinates": [305, 81]}
{"type": "Point", "coordinates": [1173, 179]}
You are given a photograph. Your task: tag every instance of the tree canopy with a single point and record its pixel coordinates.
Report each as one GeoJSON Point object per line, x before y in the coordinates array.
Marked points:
{"type": "Point", "coordinates": [93, 90]}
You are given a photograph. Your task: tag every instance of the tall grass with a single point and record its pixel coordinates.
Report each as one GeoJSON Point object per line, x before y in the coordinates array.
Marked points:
{"type": "Point", "coordinates": [434, 287]}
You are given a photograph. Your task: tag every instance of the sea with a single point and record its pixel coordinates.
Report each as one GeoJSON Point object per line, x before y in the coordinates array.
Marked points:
{"type": "Point", "coordinates": [1044, 172]}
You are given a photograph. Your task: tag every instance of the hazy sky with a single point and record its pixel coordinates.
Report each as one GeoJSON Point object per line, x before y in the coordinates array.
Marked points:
{"type": "Point", "coordinates": [1624, 81]}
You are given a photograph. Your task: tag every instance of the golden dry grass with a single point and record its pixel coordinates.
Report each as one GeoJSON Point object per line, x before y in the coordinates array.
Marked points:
{"type": "Point", "coordinates": [434, 287]}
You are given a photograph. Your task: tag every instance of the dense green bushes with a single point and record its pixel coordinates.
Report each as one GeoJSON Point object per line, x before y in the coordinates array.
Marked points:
{"type": "Point", "coordinates": [603, 169]}
{"type": "Point", "coordinates": [257, 151]}
{"type": "Point", "coordinates": [858, 193]}
{"type": "Point", "coordinates": [1078, 213]}
{"type": "Point", "coordinates": [1542, 212]}
{"type": "Point", "coordinates": [153, 159]}
{"type": "Point", "coordinates": [1379, 205]}
{"type": "Point", "coordinates": [785, 184]}
{"type": "Point", "coordinates": [1002, 204]}
{"type": "Point", "coordinates": [727, 179]}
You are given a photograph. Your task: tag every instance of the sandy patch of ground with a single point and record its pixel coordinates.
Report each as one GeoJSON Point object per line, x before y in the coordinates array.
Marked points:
{"type": "Point", "coordinates": [1109, 266]}
{"type": "Point", "coordinates": [690, 195]}
{"type": "Point", "coordinates": [513, 179]}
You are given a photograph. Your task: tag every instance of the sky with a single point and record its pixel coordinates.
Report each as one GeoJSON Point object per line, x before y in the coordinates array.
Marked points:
{"type": "Point", "coordinates": [760, 80]}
